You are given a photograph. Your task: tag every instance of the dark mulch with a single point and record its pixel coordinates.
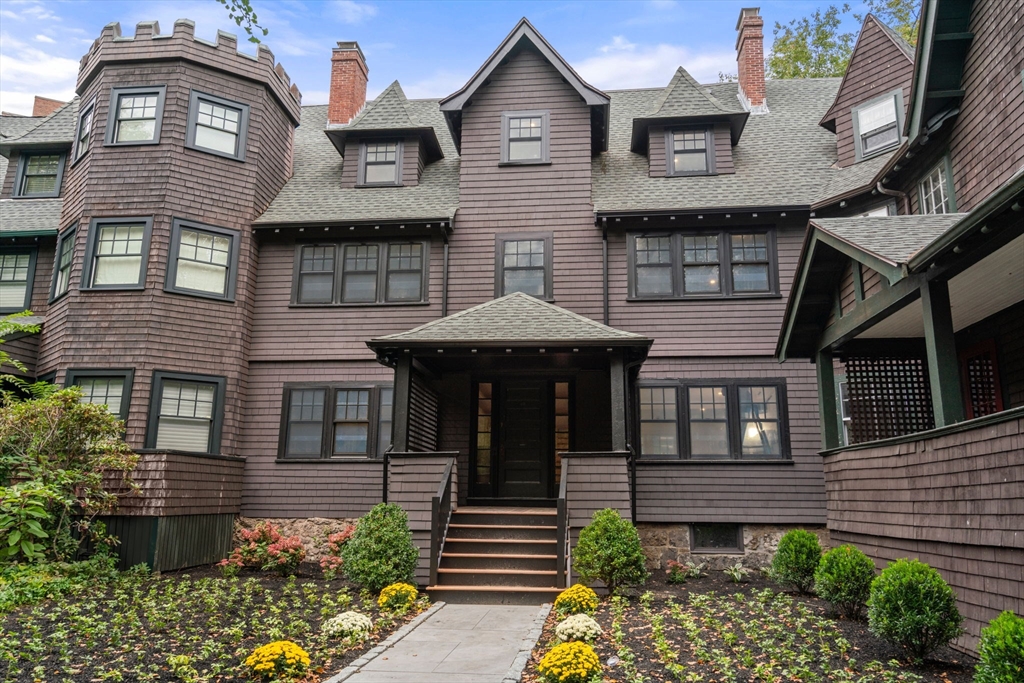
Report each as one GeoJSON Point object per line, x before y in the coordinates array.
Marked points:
{"type": "Point", "coordinates": [126, 630]}
{"type": "Point", "coordinates": [746, 624]}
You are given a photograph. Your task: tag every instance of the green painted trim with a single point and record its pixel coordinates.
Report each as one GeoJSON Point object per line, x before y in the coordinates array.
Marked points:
{"type": "Point", "coordinates": [27, 233]}
{"type": "Point", "coordinates": [965, 426]}
{"type": "Point", "coordinates": [796, 294]}
{"type": "Point", "coordinates": [940, 348]}
{"type": "Point", "coordinates": [827, 399]}
{"type": "Point", "coordinates": [153, 534]}
{"type": "Point", "coordinates": [922, 65]}
{"type": "Point", "coordinates": [871, 310]}
{"type": "Point", "coordinates": [858, 282]}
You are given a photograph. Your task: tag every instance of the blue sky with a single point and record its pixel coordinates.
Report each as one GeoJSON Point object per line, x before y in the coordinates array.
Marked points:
{"type": "Point", "coordinates": [431, 47]}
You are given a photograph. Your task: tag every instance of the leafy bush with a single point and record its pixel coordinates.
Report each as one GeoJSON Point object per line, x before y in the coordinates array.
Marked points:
{"type": "Point", "coordinates": [796, 560]}
{"type": "Point", "coordinates": [1001, 652]}
{"type": "Point", "coordinates": [348, 625]}
{"type": "Point", "coordinates": [281, 660]}
{"type": "Point", "coordinates": [578, 627]}
{"type": "Point", "coordinates": [576, 599]}
{"type": "Point", "coordinates": [679, 572]}
{"type": "Point", "coordinates": [380, 551]}
{"type": "Point", "coordinates": [397, 597]}
{"type": "Point", "coordinates": [285, 555]}
{"type": "Point", "coordinates": [843, 579]}
{"type": "Point", "coordinates": [570, 663]}
{"type": "Point", "coordinates": [22, 584]}
{"type": "Point", "coordinates": [910, 605]}
{"type": "Point", "coordinates": [609, 549]}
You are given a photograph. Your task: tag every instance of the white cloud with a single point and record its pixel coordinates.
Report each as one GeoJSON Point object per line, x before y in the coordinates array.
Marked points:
{"type": "Point", "coordinates": [26, 71]}
{"type": "Point", "coordinates": [622, 64]}
{"type": "Point", "coordinates": [45, 39]}
{"type": "Point", "coordinates": [439, 84]}
{"type": "Point", "coordinates": [351, 12]}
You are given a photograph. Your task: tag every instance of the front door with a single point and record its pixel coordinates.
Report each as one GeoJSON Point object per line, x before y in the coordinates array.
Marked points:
{"type": "Point", "coordinates": [525, 448]}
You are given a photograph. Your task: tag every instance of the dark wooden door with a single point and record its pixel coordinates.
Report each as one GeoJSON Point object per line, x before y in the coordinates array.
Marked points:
{"type": "Point", "coordinates": [525, 446]}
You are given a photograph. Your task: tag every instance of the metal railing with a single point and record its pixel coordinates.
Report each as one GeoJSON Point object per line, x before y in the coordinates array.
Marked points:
{"type": "Point", "coordinates": [562, 533]}
{"type": "Point", "coordinates": [440, 516]}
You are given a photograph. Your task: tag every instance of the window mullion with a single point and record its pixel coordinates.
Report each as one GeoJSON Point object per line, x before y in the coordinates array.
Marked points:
{"type": "Point", "coordinates": [733, 412]}
{"type": "Point", "coordinates": [383, 261]}
{"type": "Point", "coordinates": [677, 265]}
{"type": "Point", "coordinates": [725, 262]}
{"type": "Point", "coordinates": [327, 441]}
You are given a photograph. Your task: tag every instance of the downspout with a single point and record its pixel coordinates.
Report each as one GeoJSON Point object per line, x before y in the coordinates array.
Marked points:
{"type": "Point", "coordinates": [902, 196]}
{"type": "Point", "coordinates": [444, 278]}
{"type": "Point", "coordinates": [604, 271]}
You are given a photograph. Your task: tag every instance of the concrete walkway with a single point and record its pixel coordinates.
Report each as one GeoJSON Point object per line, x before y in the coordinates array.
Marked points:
{"type": "Point", "coordinates": [460, 644]}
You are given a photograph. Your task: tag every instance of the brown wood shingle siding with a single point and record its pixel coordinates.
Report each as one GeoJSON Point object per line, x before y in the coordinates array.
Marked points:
{"type": "Point", "coordinates": [182, 484]}
{"type": "Point", "coordinates": [872, 281]}
{"type": "Point", "coordinates": [847, 295]}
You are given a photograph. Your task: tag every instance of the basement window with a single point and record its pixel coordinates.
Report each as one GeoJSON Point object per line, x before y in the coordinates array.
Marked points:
{"type": "Point", "coordinates": [877, 123]}
{"type": "Point", "coordinates": [716, 538]}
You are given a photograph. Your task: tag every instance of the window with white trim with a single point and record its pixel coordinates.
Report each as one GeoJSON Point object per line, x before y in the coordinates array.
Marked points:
{"type": "Point", "coordinates": [934, 190]}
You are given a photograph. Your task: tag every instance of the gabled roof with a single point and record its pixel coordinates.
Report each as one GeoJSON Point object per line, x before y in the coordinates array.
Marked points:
{"type": "Point", "coordinates": [56, 130]}
{"type": "Point", "coordinates": [896, 38]}
{"type": "Point", "coordinates": [852, 180]}
{"type": "Point", "coordinates": [510, 320]}
{"type": "Point", "coordinates": [894, 239]}
{"type": "Point", "coordinates": [684, 100]}
{"type": "Point", "coordinates": [524, 35]}
{"type": "Point", "coordinates": [27, 217]}
{"type": "Point", "coordinates": [387, 114]}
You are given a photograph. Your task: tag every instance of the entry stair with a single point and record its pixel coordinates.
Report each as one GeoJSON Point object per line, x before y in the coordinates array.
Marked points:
{"type": "Point", "coordinates": [494, 555]}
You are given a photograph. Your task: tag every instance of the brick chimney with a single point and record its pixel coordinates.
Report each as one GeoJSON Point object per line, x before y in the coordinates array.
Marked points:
{"type": "Point", "coordinates": [44, 106]}
{"type": "Point", "coordinates": [750, 60]}
{"type": "Point", "coordinates": [348, 83]}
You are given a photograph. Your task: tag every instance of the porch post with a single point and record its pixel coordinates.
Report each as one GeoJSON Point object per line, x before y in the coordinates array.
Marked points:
{"type": "Point", "coordinates": [403, 390]}
{"type": "Point", "coordinates": [827, 399]}
{"type": "Point", "coordinates": [940, 345]}
{"type": "Point", "coordinates": [617, 370]}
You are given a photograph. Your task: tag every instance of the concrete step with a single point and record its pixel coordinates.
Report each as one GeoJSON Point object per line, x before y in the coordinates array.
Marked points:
{"type": "Point", "coordinates": [507, 561]}
{"type": "Point", "coordinates": [505, 532]}
{"type": "Point", "coordinates": [500, 546]}
{"type": "Point", "coordinates": [494, 595]}
{"type": "Point", "coordinates": [496, 577]}
{"type": "Point", "coordinates": [497, 517]}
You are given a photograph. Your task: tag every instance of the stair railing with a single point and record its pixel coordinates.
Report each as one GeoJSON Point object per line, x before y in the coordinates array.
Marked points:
{"type": "Point", "coordinates": [562, 533]}
{"type": "Point", "coordinates": [440, 516]}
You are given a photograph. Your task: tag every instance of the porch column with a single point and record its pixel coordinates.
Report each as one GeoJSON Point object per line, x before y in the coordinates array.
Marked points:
{"type": "Point", "coordinates": [617, 370]}
{"type": "Point", "coordinates": [403, 390]}
{"type": "Point", "coordinates": [940, 345]}
{"type": "Point", "coordinates": [827, 408]}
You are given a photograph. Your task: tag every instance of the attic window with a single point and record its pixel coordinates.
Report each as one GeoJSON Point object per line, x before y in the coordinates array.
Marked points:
{"type": "Point", "coordinates": [39, 175]}
{"type": "Point", "coordinates": [524, 137]}
{"type": "Point", "coordinates": [876, 124]}
{"type": "Point", "coordinates": [380, 163]}
{"type": "Point", "coordinates": [687, 152]}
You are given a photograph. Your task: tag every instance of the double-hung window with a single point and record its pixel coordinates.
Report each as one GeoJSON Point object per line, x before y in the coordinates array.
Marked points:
{"type": "Point", "coordinates": [203, 262]}
{"type": "Point", "coordinates": [713, 420]}
{"type": "Point", "coordinates": [117, 253]}
{"type": "Point", "coordinates": [524, 265]}
{"type": "Point", "coordinates": [935, 190]}
{"type": "Point", "coordinates": [689, 152]}
{"type": "Point", "coordinates": [707, 264]}
{"type": "Point", "coordinates": [380, 163]}
{"type": "Point", "coordinates": [84, 133]}
{"type": "Point", "coordinates": [217, 125]}
{"type": "Point", "coordinates": [525, 137]}
{"type": "Point", "coordinates": [111, 388]}
{"type": "Point", "coordinates": [39, 175]}
{"type": "Point", "coordinates": [361, 273]}
{"type": "Point", "coordinates": [877, 123]}
{"type": "Point", "coordinates": [17, 272]}
{"type": "Point", "coordinates": [62, 268]}
{"type": "Point", "coordinates": [186, 412]}
{"type": "Point", "coordinates": [135, 115]}
{"type": "Point", "coordinates": [336, 421]}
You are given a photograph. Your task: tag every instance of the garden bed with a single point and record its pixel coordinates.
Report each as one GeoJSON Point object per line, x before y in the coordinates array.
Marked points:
{"type": "Point", "coordinates": [713, 630]}
{"type": "Point", "coordinates": [128, 629]}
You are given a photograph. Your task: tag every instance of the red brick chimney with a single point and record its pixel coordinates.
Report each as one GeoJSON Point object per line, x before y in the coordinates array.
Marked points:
{"type": "Point", "coordinates": [750, 60]}
{"type": "Point", "coordinates": [348, 83]}
{"type": "Point", "coordinates": [44, 106]}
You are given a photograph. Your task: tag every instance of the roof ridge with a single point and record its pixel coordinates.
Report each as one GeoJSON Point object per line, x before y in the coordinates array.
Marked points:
{"type": "Point", "coordinates": [680, 77]}
{"type": "Point", "coordinates": [559, 309]}
{"type": "Point", "coordinates": [45, 119]}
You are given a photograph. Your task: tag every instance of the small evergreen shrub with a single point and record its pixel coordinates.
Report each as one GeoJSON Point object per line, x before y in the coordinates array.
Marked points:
{"type": "Point", "coordinates": [398, 597]}
{"type": "Point", "coordinates": [796, 560]}
{"type": "Point", "coordinates": [843, 579]}
{"type": "Point", "coordinates": [1001, 652]}
{"type": "Point", "coordinates": [380, 551]}
{"type": "Point", "coordinates": [910, 605]}
{"type": "Point", "coordinates": [609, 549]}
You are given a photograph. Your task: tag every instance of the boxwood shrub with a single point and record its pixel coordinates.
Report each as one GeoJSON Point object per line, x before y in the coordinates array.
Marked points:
{"type": "Point", "coordinates": [380, 551]}
{"type": "Point", "coordinates": [843, 579]}
{"type": "Point", "coordinates": [1001, 652]}
{"type": "Point", "coordinates": [609, 549]}
{"type": "Point", "coordinates": [796, 560]}
{"type": "Point", "coordinates": [911, 606]}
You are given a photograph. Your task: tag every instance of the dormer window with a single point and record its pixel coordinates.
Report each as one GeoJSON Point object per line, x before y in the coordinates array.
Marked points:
{"type": "Point", "coordinates": [39, 175]}
{"type": "Point", "coordinates": [688, 152]}
{"type": "Point", "coordinates": [525, 137]}
{"type": "Point", "coordinates": [380, 163]}
{"type": "Point", "coordinates": [876, 124]}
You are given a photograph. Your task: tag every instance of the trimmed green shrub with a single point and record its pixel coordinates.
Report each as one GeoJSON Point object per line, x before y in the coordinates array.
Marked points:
{"type": "Point", "coordinates": [380, 551]}
{"type": "Point", "coordinates": [843, 579]}
{"type": "Point", "coordinates": [796, 560]}
{"type": "Point", "coordinates": [1001, 651]}
{"type": "Point", "coordinates": [911, 606]}
{"type": "Point", "coordinates": [609, 549]}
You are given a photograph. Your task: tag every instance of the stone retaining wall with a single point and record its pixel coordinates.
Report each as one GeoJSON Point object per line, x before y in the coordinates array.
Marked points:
{"type": "Point", "coordinates": [664, 542]}
{"type": "Point", "coordinates": [313, 531]}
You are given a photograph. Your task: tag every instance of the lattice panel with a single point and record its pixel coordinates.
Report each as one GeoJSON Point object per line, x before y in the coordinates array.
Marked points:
{"type": "Point", "coordinates": [888, 397]}
{"type": "Point", "coordinates": [982, 384]}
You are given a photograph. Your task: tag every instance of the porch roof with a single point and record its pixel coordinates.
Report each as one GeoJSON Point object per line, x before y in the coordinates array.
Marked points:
{"type": "Point", "coordinates": [515, 319]}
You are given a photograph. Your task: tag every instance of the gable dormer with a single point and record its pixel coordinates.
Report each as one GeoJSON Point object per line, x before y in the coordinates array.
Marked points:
{"type": "Point", "coordinates": [868, 112]}
{"type": "Point", "coordinates": [688, 131]}
{"type": "Point", "coordinates": [384, 145]}
{"type": "Point", "coordinates": [39, 157]}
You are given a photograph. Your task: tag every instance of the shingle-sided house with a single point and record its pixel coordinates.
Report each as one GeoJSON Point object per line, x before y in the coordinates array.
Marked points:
{"type": "Point", "coordinates": [528, 300]}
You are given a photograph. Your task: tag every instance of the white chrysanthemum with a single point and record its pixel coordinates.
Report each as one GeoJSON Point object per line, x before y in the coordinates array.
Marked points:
{"type": "Point", "coordinates": [347, 625]}
{"type": "Point", "coordinates": [578, 627]}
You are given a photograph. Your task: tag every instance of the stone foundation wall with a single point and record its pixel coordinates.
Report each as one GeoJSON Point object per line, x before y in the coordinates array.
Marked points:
{"type": "Point", "coordinates": [313, 531]}
{"type": "Point", "coordinates": [664, 542]}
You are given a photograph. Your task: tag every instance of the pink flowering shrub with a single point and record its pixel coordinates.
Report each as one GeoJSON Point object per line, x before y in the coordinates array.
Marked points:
{"type": "Point", "coordinates": [232, 565]}
{"type": "Point", "coordinates": [285, 555]}
{"type": "Point", "coordinates": [331, 563]}
{"type": "Point", "coordinates": [264, 548]}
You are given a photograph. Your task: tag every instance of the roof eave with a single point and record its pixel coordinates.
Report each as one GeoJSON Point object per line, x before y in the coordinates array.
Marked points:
{"type": "Point", "coordinates": [385, 343]}
{"type": "Point", "coordinates": [362, 222]}
{"type": "Point", "coordinates": [426, 134]}
{"type": "Point", "coordinates": [641, 125]}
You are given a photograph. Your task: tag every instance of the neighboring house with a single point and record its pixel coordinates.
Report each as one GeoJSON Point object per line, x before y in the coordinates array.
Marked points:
{"type": "Point", "coordinates": [530, 292]}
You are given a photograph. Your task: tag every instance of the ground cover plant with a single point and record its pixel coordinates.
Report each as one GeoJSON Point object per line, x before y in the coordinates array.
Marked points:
{"type": "Point", "coordinates": [197, 627]}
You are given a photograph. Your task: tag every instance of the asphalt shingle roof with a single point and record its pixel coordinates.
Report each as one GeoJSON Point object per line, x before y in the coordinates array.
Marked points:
{"type": "Point", "coordinates": [57, 128]}
{"type": "Point", "coordinates": [388, 111]}
{"type": "Point", "coordinates": [854, 177]}
{"type": "Point", "coordinates": [513, 318]}
{"type": "Point", "coordinates": [30, 215]}
{"type": "Point", "coordinates": [893, 238]}
{"type": "Point", "coordinates": [313, 193]}
{"type": "Point", "coordinates": [685, 97]}
{"type": "Point", "coordinates": [13, 127]}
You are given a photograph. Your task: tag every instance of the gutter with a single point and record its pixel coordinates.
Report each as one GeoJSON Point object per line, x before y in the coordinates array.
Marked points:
{"type": "Point", "coordinates": [902, 196]}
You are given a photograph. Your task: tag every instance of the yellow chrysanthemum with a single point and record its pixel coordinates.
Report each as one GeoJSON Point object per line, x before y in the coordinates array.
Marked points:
{"type": "Point", "coordinates": [397, 596]}
{"type": "Point", "coordinates": [577, 599]}
{"type": "Point", "coordinates": [574, 662]}
{"type": "Point", "coordinates": [281, 660]}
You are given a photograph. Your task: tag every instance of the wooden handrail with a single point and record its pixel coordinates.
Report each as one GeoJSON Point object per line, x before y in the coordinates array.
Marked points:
{"type": "Point", "coordinates": [440, 517]}
{"type": "Point", "coordinates": [562, 530]}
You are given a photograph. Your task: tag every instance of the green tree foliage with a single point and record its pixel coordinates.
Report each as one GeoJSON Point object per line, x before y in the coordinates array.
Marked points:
{"type": "Point", "coordinates": [811, 47]}
{"type": "Point", "coordinates": [243, 14]}
{"type": "Point", "coordinates": [609, 549]}
{"type": "Point", "coordinates": [899, 15]}
{"type": "Point", "coordinates": [380, 551]}
{"type": "Point", "coordinates": [13, 387]}
{"type": "Point", "coordinates": [1001, 652]}
{"type": "Point", "coordinates": [912, 606]}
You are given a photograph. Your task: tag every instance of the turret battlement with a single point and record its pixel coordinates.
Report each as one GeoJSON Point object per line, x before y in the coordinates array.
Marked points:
{"type": "Point", "coordinates": [223, 55]}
